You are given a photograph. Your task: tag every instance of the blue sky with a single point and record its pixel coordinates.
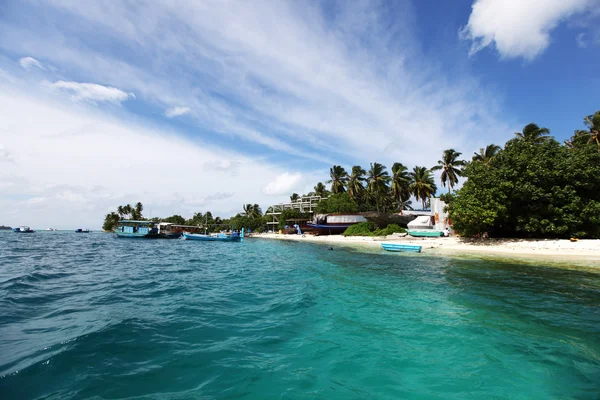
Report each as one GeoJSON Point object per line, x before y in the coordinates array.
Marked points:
{"type": "Point", "coordinates": [189, 105]}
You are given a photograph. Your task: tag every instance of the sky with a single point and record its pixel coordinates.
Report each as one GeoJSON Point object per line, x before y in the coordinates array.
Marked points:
{"type": "Point", "coordinates": [191, 105]}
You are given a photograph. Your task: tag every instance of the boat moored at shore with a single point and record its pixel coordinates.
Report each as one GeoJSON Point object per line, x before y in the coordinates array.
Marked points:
{"type": "Point", "coordinates": [399, 247]}
{"type": "Point", "coordinates": [219, 237]}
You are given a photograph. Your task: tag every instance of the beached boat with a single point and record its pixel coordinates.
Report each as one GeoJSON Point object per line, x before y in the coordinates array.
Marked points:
{"type": "Point", "coordinates": [424, 232]}
{"type": "Point", "coordinates": [219, 237]}
{"type": "Point", "coordinates": [82, 230]}
{"type": "Point", "coordinates": [398, 247]}
{"type": "Point", "coordinates": [334, 224]}
{"type": "Point", "coordinates": [23, 229]}
{"type": "Point", "coordinates": [423, 226]}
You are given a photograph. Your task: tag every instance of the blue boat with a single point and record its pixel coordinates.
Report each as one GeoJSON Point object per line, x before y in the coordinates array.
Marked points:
{"type": "Point", "coordinates": [82, 230]}
{"type": "Point", "coordinates": [410, 248]}
{"type": "Point", "coordinates": [23, 229]}
{"type": "Point", "coordinates": [220, 237]}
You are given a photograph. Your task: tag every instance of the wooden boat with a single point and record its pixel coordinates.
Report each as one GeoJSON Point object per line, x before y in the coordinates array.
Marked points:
{"type": "Point", "coordinates": [327, 229]}
{"type": "Point", "coordinates": [425, 232]}
{"type": "Point", "coordinates": [23, 229]}
{"type": "Point", "coordinates": [398, 247]}
{"type": "Point", "coordinates": [145, 230]}
{"type": "Point", "coordinates": [219, 237]}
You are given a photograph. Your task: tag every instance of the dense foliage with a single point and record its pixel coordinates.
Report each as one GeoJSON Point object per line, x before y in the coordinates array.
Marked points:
{"type": "Point", "coordinates": [337, 203]}
{"type": "Point", "coordinates": [533, 187]}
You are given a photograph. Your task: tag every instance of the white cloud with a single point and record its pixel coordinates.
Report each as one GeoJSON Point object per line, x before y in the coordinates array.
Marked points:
{"type": "Point", "coordinates": [177, 111]}
{"type": "Point", "coordinates": [580, 39]}
{"type": "Point", "coordinates": [92, 92]}
{"type": "Point", "coordinates": [283, 184]}
{"type": "Point", "coordinates": [518, 28]}
{"type": "Point", "coordinates": [71, 164]}
{"type": "Point", "coordinates": [30, 63]}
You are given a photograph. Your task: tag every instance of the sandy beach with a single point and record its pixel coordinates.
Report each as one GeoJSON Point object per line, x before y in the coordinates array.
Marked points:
{"type": "Point", "coordinates": [582, 251]}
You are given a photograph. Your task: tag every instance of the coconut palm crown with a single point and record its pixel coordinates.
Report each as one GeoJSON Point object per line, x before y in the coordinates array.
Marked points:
{"type": "Point", "coordinates": [451, 168]}
{"type": "Point", "coordinates": [533, 134]}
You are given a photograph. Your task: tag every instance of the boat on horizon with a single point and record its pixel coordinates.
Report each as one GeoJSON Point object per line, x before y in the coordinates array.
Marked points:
{"type": "Point", "coordinates": [50, 229]}
{"type": "Point", "coordinates": [82, 230]}
{"type": "Point", "coordinates": [218, 237]}
{"type": "Point", "coordinates": [5, 228]}
{"type": "Point", "coordinates": [23, 229]}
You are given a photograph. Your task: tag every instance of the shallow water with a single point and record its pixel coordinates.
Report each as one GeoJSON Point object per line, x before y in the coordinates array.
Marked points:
{"type": "Point", "coordinates": [92, 316]}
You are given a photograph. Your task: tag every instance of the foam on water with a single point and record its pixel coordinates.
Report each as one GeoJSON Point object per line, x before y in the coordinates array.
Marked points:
{"type": "Point", "coordinates": [92, 316]}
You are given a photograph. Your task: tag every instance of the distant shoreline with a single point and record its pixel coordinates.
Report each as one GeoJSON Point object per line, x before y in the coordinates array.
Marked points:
{"type": "Point", "coordinates": [555, 250]}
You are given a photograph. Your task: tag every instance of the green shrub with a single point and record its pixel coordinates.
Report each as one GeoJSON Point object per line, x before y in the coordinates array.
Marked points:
{"type": "Point", "coordinates": [390, 229]}
{"type": "Point", "coordinates": [360, 229]}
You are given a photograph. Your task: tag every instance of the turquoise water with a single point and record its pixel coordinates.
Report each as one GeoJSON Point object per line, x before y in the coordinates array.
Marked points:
{"type": "Point", "coordinates": [91, 316]}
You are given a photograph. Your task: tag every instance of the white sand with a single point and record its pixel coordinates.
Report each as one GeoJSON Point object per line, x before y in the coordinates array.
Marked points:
{"type": "Point", "coordinates": [587, 251]}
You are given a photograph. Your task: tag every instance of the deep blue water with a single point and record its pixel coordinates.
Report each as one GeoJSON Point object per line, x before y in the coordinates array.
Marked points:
{"type": "Point", "coordinates": [92, 316]}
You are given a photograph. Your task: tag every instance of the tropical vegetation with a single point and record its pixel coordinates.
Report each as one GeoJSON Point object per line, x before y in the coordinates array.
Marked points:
{"type": "Point", "coordinates": [533, 187]}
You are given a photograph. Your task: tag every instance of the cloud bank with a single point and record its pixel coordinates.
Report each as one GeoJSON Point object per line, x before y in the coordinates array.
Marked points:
{"type": "Point", "coordinates": [71, 165]}
{"type": "Point", "coordinates": [518, 28]}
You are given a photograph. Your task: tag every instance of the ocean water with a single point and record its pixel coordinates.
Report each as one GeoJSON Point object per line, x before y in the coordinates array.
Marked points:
{"type": "Point", "coordinates": [92, 316]}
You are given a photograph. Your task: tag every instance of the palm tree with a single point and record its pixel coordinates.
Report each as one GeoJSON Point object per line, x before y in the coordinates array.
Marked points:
{"type": "Point", "coordinates": [121, 211]}
{"type": "Point", "coordinates": [247, 209]}
{"type": "Point", "coordinates": [486, 156]}
{"type": "Point", "coordinates": [294, 197]}
{"type": "Point", "coordinates": [451, 167]}
{"type": "Point", "coordinates": [534, 134]}
{"type": "Point", "coordinates": [338, 180]}
{"type": "Point", "coordinates": [423, 185]}
{"type": "Point", "coordinates": [377, 182]}
{"type": "Point", "coordinates": [355, 182]}
{"type": "Point", "coordinates": [593, 124]}
{"type": "Point", "coordinates": [256, 211]}
{"type": "Point", "coordinates": [320, 189]}
{"type": "Point", "coordinates": [579, 137]}
{"type": "Point", "coordinates": [400, 183]}
{"type": "Point", "coordinates": [139, 208]}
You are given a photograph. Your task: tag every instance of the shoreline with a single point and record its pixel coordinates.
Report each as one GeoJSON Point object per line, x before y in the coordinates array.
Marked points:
{"type": "Point", "coordinates": [584, 252]}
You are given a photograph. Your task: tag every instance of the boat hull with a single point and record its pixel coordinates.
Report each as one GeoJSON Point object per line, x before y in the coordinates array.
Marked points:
{"type": "Point", "coordinates": [397, 247]}
{"type": "Point", "coordinates": [424, 233]}
{"type": "Point", "coordinates": [148, 235]}
{"type": "Point", "coordinates": [208, 238]}
{"type": "Point", "coordinates": [326, 229]}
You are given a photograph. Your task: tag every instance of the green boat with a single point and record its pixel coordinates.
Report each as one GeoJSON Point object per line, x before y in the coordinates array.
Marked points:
{"type": "Point", "coordinates": [424, 233]}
